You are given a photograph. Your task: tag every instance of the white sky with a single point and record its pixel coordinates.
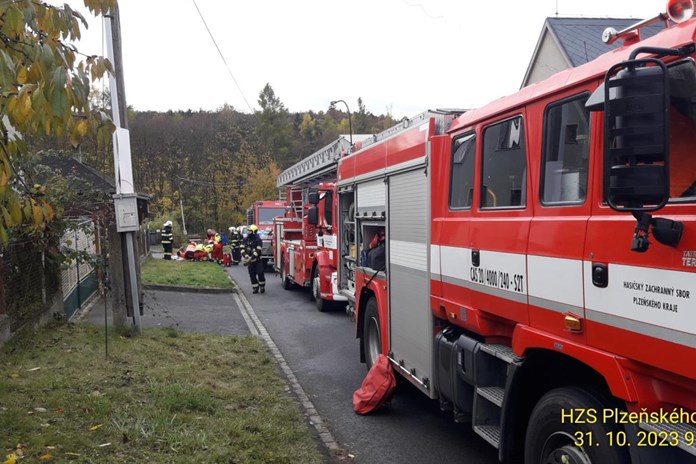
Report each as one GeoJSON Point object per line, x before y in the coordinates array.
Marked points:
{"type": "Point", "coordinates": [404, 56]}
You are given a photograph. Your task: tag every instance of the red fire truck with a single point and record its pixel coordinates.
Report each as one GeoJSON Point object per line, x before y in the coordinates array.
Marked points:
{"type": "Point", "coordinates": [540, 272]}
{"type": "Point", "coordinates": [261, 213]}
{"type": "Point", "coordinates": [295, 239]}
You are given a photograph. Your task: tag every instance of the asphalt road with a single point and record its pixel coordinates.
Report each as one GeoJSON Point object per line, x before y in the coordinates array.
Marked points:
{"type": "Point", "coordinates": [323, 352]}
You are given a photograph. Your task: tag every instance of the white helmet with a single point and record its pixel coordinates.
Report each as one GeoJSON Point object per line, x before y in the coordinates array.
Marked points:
{"type": "Point", "coordinates": [168, 223]}
{"type": "Point", "coordinates": [231, 229]}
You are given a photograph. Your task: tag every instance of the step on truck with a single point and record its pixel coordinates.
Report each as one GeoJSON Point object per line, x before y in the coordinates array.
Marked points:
{"type": "Point", "coordinates": [540, 272]}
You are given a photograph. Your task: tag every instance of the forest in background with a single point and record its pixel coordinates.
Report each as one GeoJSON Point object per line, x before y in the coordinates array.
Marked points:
{"type": "Point", "coordinates": [216, 163]}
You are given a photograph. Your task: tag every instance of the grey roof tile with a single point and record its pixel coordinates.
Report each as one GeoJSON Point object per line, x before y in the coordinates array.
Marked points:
{"type": "Point", "coordinates": [581, 38]}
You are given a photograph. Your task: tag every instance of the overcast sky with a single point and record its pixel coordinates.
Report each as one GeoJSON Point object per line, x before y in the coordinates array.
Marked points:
{"type": "Point", "coordinates": [401, 56]}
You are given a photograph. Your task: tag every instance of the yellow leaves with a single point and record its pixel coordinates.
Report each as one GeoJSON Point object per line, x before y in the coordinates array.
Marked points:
{"type": "Point", "coordinates": [11, 459]}
{"type": "Point", "coordinates": [22, 75]}
{"type": "Point", "coordinates": [49, 212]}
{"type": "Point", "coordinates": [80, 131]}
{"type": "Point", "coordinates": [46, 457]}
{"type": "Point", "coordinates": [100, 6]}
{"type": "Point", "coordinates": [95, 427]}
{"type": "Point", "coordinates": [15, 211]}
{"type": "Point", "coordinates": [25, 109]}
{"type": "Point", "coordinates": [13, 22]}
{"type": "Point", "coordinates": [6, 216]}
{"type": "Point", "coordinates": [37, 213]}
{"type": "Point", "coordinates": [82, 127]}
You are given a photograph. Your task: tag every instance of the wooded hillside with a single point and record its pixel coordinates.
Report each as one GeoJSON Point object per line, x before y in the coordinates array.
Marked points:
{"type": "Point", "coordinates": [218, 162]}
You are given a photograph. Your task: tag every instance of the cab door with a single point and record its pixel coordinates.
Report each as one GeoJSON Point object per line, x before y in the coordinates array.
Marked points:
{"type": "Point", "coordinates": [499, 227]}
{"type": "Point", "coordinates": [563, 205]}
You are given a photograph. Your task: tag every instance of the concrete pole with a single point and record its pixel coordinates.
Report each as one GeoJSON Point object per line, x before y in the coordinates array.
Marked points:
{"type": "Point", "coordinates": [122, 163]}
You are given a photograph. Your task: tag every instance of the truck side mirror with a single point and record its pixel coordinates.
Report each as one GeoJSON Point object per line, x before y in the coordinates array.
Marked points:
{"type": "Point", "coordinates": [313, 215]}
{"type": "Point", "coordinates": [313, 198]}
{"type": "Point", "coordinates": [636, 135]}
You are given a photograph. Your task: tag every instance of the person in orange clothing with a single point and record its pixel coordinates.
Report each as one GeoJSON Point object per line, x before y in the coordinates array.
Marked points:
{"type": "Point", "coordinates": [216, 255]}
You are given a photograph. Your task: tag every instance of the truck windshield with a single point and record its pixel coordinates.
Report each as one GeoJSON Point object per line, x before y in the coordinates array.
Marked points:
{"type": "Point", "coordinates": [266, 215]}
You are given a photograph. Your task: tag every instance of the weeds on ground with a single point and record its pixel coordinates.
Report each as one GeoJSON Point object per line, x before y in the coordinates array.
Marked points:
{"type": "Point", "coordinates": [161, 397]}
{"type": "Point", "coordinates": [204, 274]}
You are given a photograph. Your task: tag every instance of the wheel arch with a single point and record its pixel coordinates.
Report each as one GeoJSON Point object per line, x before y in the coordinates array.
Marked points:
{"type": "Point", "coordinates": [541, 371]}
{"type": "Point", "coordinates": [365, 296]}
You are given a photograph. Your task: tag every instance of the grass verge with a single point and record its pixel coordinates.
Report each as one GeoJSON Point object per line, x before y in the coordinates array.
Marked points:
{"type": "Point", "coordinates": [162, 397]}
{"type": "Point", "coordinates": [184, 273]}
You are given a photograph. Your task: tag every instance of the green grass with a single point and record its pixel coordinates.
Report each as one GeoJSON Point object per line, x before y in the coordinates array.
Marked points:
{"type": "Point", "coordinates": [161, 397]}
{"type": "Point", "coordinates": [201, 274]}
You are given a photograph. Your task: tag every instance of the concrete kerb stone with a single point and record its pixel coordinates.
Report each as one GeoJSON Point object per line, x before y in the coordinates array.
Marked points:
{"type": "Point", "coordinates": [181, 288]}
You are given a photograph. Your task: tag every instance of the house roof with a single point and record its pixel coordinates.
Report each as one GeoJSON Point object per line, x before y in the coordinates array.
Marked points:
{"type": "Point", "coordinates": [68, 166]}
{"type": "Point", "coordinates": [580, 39]}
{"type": "Point", "coordinates": [87, 181]}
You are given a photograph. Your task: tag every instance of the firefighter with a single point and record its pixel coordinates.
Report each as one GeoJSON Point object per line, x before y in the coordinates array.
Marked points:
{"type": "Point", "coordinates": [167, 241]}
{"type": "Point", "coordinates": [235, 245]}
{"type": "Point", "coordinates": [252, 259]}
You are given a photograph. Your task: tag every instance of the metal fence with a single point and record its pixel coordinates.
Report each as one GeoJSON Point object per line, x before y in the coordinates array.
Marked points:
{"type": "Point", "coordinates": [29, 281]}
{"type": "Point", "coordinates": [32, 279]}
{"type": "Point", "coordinates": [79, 278]}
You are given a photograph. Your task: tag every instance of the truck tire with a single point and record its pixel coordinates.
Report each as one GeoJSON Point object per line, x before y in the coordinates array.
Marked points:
{"type": "Point", "coordinates": [322, 305]}
{"type": "Point", "coordinates": [572, 441]}
{"type": "Point", "coordinates": [371, 334]}
{"type": "Point", "coordinates": [285, 280]}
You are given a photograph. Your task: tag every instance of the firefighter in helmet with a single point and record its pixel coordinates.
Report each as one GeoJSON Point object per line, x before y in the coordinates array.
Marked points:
{"type": "Point", "coordinates": [252, 259]}
{"type": "Point", "coordinates": [235, 245]}
{"type": "Point", "coordinates": [167, 241]}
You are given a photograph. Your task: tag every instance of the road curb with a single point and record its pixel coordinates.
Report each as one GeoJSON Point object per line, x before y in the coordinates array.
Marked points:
{"type": "Point", "coordinates": [180, 288]}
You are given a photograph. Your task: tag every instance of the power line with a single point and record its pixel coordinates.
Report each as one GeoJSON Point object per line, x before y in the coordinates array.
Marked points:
{"type": "Point", "coordinates": [206, 183]}
{"type": "Point", "coordinates": [221, 56]}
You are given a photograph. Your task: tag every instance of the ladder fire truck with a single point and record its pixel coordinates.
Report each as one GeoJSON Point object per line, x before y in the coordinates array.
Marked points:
{"type": "Point", "coordinates": [296, 241]}
{"type": "Point", "coordinates": [540, 276]}
{"type": "Point", "coordinates": [261, 213]}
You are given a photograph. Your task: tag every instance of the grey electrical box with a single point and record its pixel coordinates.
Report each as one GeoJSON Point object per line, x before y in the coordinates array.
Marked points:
{"type": "Point", "coordinates": [126, 207]}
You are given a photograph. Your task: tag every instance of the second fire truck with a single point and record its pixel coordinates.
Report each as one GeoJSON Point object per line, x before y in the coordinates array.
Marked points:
{"type": "Point", "coordinates": [296, 240]}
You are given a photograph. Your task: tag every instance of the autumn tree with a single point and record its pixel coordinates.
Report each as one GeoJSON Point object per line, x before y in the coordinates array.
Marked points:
{"type": "Point", "coordinates": [274, 127]}
{"type": "Point", "coordinates": [361, 119]}
{"type": "Point", "coordinates": [44, 90]}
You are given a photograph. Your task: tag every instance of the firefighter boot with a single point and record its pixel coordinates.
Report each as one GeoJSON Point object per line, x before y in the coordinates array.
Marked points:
{"type": "Point", "coordinates": [263, 288]}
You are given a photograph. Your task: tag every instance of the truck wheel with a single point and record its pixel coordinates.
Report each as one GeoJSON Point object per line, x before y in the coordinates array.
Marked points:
{"type": "Point", "coordinates": [322, 305]}
{"type": "Point", "coordinates": [285, 280]}
{"type": "Point", "coordinates": [371, 335]}
{"type": "Point", "coordinates": [573, 441]}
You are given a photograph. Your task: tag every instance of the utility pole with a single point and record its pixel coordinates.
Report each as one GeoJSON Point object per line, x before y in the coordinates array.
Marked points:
{"type": "Point", "coordinates": [125, 200]}
{"type": "Point", "coordinates": [181, 205]}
